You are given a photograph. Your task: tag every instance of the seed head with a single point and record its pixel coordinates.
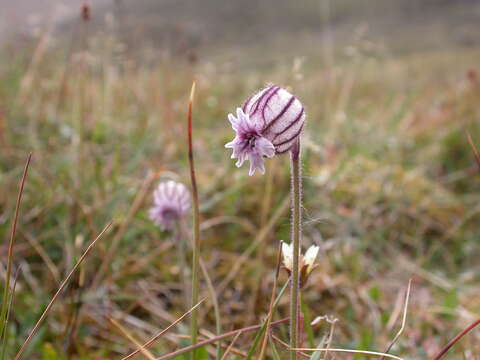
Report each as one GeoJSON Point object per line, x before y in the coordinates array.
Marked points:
{"type": "Point", "coordinates": [171, 201]}
{"type": "Point", "coordinates": [269, 123]}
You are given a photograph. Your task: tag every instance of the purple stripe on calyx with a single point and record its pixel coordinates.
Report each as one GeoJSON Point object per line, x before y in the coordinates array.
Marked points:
{"type": "Point", "coordinates": [291, 138]}
{"type": "Point", "coordinates": [260, 98]}
{"type": "Point", "coordinates": [280, 114]}
{"type": "Point", "coordinates": [265, 98]}
{"type": "Point", "coordinates": [299, 116]}
{"type": "Point", "coordinates": [278, 88]}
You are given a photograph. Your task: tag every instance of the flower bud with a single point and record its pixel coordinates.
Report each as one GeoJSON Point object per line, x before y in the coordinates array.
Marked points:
{"type": "Point", "coordinates": [171, 201]}
{"type": "Point", "coordinates": [269, 123]}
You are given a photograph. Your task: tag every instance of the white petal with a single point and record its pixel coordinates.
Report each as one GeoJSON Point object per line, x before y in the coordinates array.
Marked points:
{"type": "Point", "coordinates": [310, 257]}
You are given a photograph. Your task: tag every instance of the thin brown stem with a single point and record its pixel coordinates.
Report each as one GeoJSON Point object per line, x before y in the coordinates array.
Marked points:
{"type": "Point", "coordinates": [474, 148]}
{"type": "Point", "coordinates": [10, 248]}
{"type": "Point", "coordinates": [404, 319]}
{"type": "Point", "coordinates": [452, 342]}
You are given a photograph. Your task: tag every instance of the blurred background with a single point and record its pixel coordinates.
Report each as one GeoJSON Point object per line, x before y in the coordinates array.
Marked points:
{"type": "Point", "coordinates": [222, 28]}
{"type": "Point", "coordinates": [98, 92]}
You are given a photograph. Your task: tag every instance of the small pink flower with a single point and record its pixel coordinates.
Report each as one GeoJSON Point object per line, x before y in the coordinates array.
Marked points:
{"type": "Point", "coordinates": [171, 201]}
{"type": "Point", "coordinates": [269, 123]}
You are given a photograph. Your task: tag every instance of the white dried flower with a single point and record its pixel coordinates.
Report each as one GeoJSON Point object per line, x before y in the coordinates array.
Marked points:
{"type": "Point", "coordinates": [306, 263]}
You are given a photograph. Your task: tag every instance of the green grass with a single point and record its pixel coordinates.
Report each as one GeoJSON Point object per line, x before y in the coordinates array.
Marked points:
{"type": "Point", "coordinates": [391, 192]}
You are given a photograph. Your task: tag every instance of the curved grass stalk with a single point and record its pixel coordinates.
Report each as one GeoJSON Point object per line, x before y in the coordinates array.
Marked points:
{"type": "Point", "coordinates": [5, 307]}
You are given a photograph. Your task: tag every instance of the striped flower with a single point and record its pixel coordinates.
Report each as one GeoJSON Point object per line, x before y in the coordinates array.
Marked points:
{"type": "Point", "coordinates": [269, 123]}
{"type": "Point", "coordinates": [171, 201]}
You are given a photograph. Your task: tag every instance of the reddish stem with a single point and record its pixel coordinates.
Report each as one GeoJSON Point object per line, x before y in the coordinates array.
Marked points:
{"type": "Point", "coordinates": [196, 227]}
{"type": "Point", "coordinates": [455, 339]}
{"type": "Point", "coordinates": [217, 338]}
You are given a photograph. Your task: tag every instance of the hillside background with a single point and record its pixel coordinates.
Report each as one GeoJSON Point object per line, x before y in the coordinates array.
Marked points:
{"type": "Point", "coordinates": [218, 27]}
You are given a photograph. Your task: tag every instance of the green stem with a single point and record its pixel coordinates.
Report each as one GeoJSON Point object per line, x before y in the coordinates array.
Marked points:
{"type": "Point", "coordinates": [296, 198]}
{"type": "Point", "coordinates": [196, 228]}
{"type": "Point", "coordinates": [182, 246]}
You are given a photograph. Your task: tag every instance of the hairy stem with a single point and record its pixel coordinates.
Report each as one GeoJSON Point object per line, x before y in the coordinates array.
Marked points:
{"type": "Point", "coordinates": [296, 233]}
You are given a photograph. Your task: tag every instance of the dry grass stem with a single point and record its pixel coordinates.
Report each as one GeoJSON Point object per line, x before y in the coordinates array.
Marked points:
{"type": "Point", "coordinates": [130, 337]}
{"type": "Point", "coordinates": [163, 332]}
{"type": "Point", "coordinates": [350, 351]}
{"type": "Point", "coordinates": [404, 319]}
{"type": "Point", "coordinates": [11, 243]}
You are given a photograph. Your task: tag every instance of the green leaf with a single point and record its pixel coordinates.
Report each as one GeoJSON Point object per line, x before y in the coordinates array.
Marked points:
{"type": "Point", "coordinates": [201, 353]}
{"type": "Point", "coordinates": [307, 323]}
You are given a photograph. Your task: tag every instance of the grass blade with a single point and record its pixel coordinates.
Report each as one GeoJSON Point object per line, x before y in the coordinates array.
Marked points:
{"type": "Point", "coordinates": [230, 347]}
{"type": "Point", "coordinates": [10, 306]}
{"type": "Point", "coordinates": [272, 300]}
{"type": "Point", "coordinates": [6, 290]}
{"type": "Point", "coordinates": [404, 319]}
{"type": "Point", "coordinates": [275, 354]}
{"type": "Point", "coordinates": [216, 307]}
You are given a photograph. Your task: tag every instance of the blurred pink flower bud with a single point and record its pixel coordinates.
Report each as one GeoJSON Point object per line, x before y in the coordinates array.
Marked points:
{"type": "Point", "coordinates": [171, 201]}
{"type": "Point", "coordinates": [269, 123]}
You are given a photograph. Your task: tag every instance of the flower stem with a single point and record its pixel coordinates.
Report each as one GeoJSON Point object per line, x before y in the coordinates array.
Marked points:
{"type": "Point", "coordinates": [196, 228]}
{"type": "Point", "coordinates": [296, 233]}
{"type": "Point", "coordinates": [182, 246]}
